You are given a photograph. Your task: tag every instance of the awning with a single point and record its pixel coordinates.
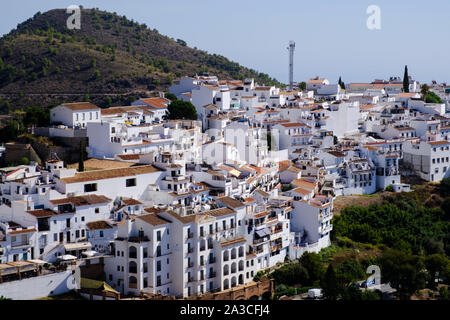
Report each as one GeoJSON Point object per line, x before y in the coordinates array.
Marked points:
{"type": "Point", "coordinates": [263, 232]}
{"type": "Point", "coordinates": [38, 261]}
{"type": "Point", "coordinates": [89, 253]}
{"type": "Point", "coordinates": [68, 257]}
{"type": "Point", "coordinates": [77, 246]}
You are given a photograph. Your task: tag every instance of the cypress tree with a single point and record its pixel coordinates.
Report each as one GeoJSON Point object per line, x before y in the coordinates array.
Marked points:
{"type": "Point", "coordinates": [330, 284]}
{"type": "Point", "coordinates": [406, 80]}
{"type": "Point", "coordinates": [81, 160]}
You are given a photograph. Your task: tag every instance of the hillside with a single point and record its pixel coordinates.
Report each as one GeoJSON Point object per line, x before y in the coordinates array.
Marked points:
{"type": "Point", "coordinates": [43, 62]}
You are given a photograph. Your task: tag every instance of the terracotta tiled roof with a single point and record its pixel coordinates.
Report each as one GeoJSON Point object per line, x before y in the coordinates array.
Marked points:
{"type": "Point", "coordinates": [85, 200]}
{"type": "Point", "coordinates": [131, 202]}
{"type": "Point", "coordinates": [79, 106]}
{"type": "Point", "coordinates": [96, 225]}
{"type": "Point", "coordinates": [109, 173]}
{"type": "Point", "coordinates": [230, 202]}
{"type": "Point", "coordinates": [156, 102]}
{"type": "Point", "coordinates": [41, 213]}
{"type": "Point", "coordinates": [293, 124]}
{"type": "Point", "coordinates": [153, 219]}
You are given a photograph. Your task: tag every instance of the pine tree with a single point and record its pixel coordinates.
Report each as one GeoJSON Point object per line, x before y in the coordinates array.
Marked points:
{"type": "Point", "coordinates": [81, 160]}
{"type": "Point", "coordinates": [330, 284]}
{"type": "Point", "coordinates": [406, 80]}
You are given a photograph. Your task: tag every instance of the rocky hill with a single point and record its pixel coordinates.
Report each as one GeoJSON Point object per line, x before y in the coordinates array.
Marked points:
{"type": "Point", "coordinates": [108, 60]}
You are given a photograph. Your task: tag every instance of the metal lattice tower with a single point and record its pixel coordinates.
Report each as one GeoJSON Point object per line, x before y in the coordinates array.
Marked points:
{"type": "Point", "coordinates": [291, 49]}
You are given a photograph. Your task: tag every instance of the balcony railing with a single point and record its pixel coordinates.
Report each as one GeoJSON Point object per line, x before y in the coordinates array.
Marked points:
{"type": "Point", "coordinates": [212, 260]}
{"type": "Point", "coordinates": [212, 275]}
{"type": "Point", "coordinates": [190, 235]}
{"type": "Point", "coordinates": [190, 250]}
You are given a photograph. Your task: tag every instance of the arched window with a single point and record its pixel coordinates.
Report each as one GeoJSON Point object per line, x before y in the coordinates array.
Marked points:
{"type": "Point", "coordinates": [226, 256]}
{"type": "Point", "coordinates": [132, 253]}
{"type": "Point", "coordinates": [233, 282]}
{"type": "Point", "coordinates": [226, 284]}
{"type": "Point", "coordinates": [132, 267]}
{"type": "Point", "coordinates": [233, 253]}
{"type": "Point", "coordinates": [226, 270]}
{"type": "Point", "coordinates": [241, 279]}
{"type": "Point", "coordinates": [132, 282]}
{"type": "Point", "coordinates": [233, 267]}
{"type": "Point", "coordinates": [241, 251]}
{"type": "Point", "coordinates": [241, 265]}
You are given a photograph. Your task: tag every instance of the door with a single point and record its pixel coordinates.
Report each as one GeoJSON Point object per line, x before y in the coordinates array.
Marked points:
{"type": "Point", "coordinates": [68, 236]}
{"type": "Point", "coordinates": [61, 237]}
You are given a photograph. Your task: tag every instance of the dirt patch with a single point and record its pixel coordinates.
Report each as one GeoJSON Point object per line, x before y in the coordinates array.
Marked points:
{"type": "Point", "coordinates": [357, 200]}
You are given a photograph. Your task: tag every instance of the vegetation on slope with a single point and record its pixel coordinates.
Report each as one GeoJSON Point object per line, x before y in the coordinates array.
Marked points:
{"type": "Point", "coordinates": [110, 54]}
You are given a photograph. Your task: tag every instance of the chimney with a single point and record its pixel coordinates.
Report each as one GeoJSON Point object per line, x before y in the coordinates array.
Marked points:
{"type": "Point", "coordinates": [161, 94]}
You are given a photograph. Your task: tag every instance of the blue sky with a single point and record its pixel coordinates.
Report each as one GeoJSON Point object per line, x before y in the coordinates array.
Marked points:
{"type": "Point", "coordinates": [331, 36]}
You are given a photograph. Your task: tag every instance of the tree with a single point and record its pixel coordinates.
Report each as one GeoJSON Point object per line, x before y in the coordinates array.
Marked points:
{"type": "Point", "coordinates": [37, 116]}
{"type": "Point", "coordinates": [312, 263]}
{"type": "Point", "coordinates": [330, 284]}
{"type": "Point", "coordinates": [432, 98]}
{"type": "Point", "coordinates": [349, 270]}
{"type": "Point", "coordinates": [425, 90]}
{"type": "Point", "coordinates": [81, 160]}
{"type": "Point", "coordinates": [108, 101]}
{"type": "Point", "coordinates": [182, 110]}
{"type": "Point", "coordinates": [436, 264]}
{"type": "Point", "coordinates": [24, 161]}
{"type": "Point", "coordinates": [302, 86]}
{"type": "Point", "coordinates": [291, 274]}
{"type": "Point", "coordinates": [406, 80]}
{"type": "Point", "coordinates": [402, 271]}
{"type": "Point", "coordinates": [341, 83]}
{"type": "Point", "coordinates": [170, 96]}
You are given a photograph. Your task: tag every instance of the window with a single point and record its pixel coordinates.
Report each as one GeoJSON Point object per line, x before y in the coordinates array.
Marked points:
{"type": "Point", "coordinates": [77, 233]}
{"type": "Point", "coordinates": [101, 233]}
{"type": "Point", "coordinates": [82, 233]}
{"type": "Point", "coordinates": [158, 265]}
{"type": "Point", "coordinates": [55, 237]}
{"type": "Point", "coordinates": [158, 236]}
{"type": "Point", "coordinates": [90, 187]}
{"type": "Point", "coordinates": [158, 251]}
{"type": "Point", "coordinates": [82, 218]}
{"type": "Point", "coordinates": [158, 281]}
{"type": "Point", "coordinates": [131, 182]}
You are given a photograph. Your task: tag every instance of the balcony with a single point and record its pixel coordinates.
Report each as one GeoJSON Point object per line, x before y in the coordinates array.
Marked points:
{"type": "Point", "coordinates": [190, 235]}
{"type": "Point", "coordinates": [212, 275]}
{"type": "Point", "coordinates": [190, 264]}
{"type": "Point", "coordinates": [212, 260]}
{"type": "Point", "coordinates": [190, 250]}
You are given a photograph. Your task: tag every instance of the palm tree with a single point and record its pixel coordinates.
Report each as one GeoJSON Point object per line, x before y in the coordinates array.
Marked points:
{"type": "Point", "coordinates": [425, 90]}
